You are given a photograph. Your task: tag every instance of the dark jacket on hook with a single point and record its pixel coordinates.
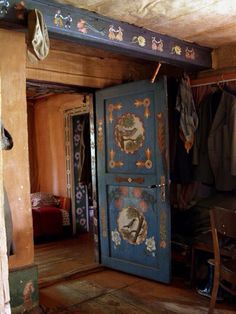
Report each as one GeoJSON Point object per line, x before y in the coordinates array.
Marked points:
{"type": "Point", "coordinates": [215, 145]}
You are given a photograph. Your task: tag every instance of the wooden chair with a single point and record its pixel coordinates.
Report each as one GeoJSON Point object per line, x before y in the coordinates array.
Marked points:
{"type": "Point", "coordinates": [223, 224]}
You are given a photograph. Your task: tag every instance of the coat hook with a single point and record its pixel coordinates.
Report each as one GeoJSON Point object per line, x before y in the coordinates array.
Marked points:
{"type": "Point", "coordinates": [156, 72]}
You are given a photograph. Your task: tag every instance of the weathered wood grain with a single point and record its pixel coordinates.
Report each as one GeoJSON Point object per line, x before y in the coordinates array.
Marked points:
{"type": "Point", "coordinates": [82, 66]}
{"type": "Point", "coordinates": [64, 258]}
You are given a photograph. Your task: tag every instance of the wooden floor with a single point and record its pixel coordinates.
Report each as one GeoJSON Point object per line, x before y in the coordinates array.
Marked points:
{"type": "Point", "coordinates": [103, 291]}
{"type": "Point", "coordinates": [63, 258]}
{"type": "Point", "coordinates": [112, 292]}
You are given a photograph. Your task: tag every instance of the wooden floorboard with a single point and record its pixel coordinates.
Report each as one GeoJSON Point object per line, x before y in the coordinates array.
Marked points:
{"type": "Point", "coordinates": [63, 258]}
{"type": "Point", "coordinates": [71, 283]}
{"type": "Point", "coordinates": [112, 292]}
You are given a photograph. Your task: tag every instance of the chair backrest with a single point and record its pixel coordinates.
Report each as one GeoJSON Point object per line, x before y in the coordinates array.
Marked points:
{"type": "Point", "coordinates": [224, 221]}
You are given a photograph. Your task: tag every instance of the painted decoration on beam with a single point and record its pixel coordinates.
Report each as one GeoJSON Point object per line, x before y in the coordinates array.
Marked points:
{"type": "Point", "coordinates": [190, 53]}
{"type": "Point", "coordinates": [115, 34]}
{"type": "Point", "coordinates": [58, 19]}
{"type": "Point", "coordinates": [157, 45]}
{"type": "Point", "coordinates": [21, 11]}
{"type": "Point", "coordinates": [68, 20]}
{"type": "Point", "coordinates": [76, 23]}
{"type": "Point", "coordinates": [4, 5]}
{"type": "Point", "coordinates": [84, 27]}
{"type": "Point", "coordinates": [140, 40]}
{"type": "Point", "coordinates": [62, 21]}
{"type": "Point", "coordinates": [176, 50]}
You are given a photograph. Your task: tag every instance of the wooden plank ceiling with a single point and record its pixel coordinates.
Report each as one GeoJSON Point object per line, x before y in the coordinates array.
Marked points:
{"type": "Point", "coordinates": [210, 23]}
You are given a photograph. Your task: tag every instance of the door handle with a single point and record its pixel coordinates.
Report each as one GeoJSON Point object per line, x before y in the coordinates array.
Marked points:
{"type": "Point", "coordinates": [162, 187]}
{"type": "Point", "coordinates": [154, 186]}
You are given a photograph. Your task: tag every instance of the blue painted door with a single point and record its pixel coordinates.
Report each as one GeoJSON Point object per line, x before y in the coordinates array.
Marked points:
{"type": "Point", "coordinates": [132, 152]}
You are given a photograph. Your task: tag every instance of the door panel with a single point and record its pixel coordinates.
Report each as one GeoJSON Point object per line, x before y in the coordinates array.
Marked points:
{"type": "Point", "coordinates": [131, 142]}
{"type": "Point", "coordinates": [132, 176]}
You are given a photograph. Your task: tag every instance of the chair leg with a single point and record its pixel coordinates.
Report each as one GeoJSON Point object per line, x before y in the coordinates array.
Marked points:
{"type": "Point", "coordinates": [192, 271]}
{"type": "Point", "coordinates": [214, 291]}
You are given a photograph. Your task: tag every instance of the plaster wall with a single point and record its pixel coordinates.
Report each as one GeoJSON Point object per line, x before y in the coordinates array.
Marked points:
{"type": "Point", "coordinates": [50, 172]}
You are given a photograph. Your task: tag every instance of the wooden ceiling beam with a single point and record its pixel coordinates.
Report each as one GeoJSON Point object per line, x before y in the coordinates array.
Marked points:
{"type": "Point", "coordinates": [82, 26]}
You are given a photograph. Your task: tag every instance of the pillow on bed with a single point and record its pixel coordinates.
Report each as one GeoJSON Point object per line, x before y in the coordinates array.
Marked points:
{"type": "Point", "coordinates": [41, 199]}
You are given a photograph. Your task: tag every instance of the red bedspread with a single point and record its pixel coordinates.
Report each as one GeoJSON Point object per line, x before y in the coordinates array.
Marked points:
{"type": "Point", "coordinates": [47, 221]}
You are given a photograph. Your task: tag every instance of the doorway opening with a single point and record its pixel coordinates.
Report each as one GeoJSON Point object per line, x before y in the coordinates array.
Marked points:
{"type": "Point", "coordinates": [63, 179]}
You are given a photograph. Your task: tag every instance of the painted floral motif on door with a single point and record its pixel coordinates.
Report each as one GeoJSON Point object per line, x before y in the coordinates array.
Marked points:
{"type": "Point", "coordinates": [129, 133]}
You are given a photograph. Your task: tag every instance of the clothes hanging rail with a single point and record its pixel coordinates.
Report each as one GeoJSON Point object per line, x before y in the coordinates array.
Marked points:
{"type": "Point", "coordinates": [222, 78]}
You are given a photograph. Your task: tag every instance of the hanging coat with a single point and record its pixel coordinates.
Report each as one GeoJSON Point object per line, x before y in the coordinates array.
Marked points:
{"type": "Point", "coordinates": [222, 144]}
{"type": "Point", "coordinates": [215, 143]}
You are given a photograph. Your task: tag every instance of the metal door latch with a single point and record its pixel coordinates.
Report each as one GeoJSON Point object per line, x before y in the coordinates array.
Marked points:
{"type": "Point", "coordinates": [156, 186]}
{"type": "Point", "coordinates": [162, 187]}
